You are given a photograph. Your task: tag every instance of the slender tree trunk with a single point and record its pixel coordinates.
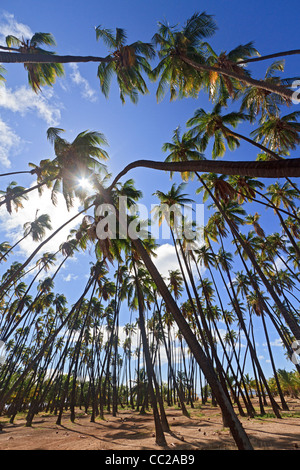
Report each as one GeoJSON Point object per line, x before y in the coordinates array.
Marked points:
{"type": "Point", "coordinates": [261, 84]}
{"type": "Point", "coordinates": [159, 434]}
{"type": "Point", "coordinates": [236, 428]}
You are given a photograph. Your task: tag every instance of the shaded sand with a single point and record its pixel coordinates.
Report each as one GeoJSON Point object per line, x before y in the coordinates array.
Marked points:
{"type": "Point", "coordinates": [132, 431]}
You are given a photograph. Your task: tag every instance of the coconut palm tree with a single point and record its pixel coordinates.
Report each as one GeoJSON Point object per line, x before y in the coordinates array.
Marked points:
{"type": "Point", "coordinates": [279, 133]}
{"type": "Point", "coordinates": [13, 197]}
{"type": "Point", "coordinates": [173, 72]}
{"type": "Point", "coordinates": [36, 228]}
{"type": "Point", "coordinates": [127, 61]}
{"type": "Point", "coordinates": [181, 149]}
{"type": "Point", "coordinates": [76, 160]}
{"type": "Point", "coordinates": [39, 74]}
{"type": "Point", "coordinates": [259, 101]}
{"type": "Point", "coordinates": [214, 125]}
{"type": "Point", "coordinates": [221, 87]}
{"type": "Point", "coordinates": [184, 60]}
{"type": "Point", "coordinates": [5, 248]}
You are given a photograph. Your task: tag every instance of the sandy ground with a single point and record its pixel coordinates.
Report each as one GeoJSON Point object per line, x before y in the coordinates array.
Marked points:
{"type": "Point", "coordinates": [132, 431]}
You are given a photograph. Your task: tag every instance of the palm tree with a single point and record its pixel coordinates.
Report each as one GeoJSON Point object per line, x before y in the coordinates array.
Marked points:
{"type": "Point", "coordinates": [182, 149]}
{"type": "Point", "coordinates": [279, 134]}
{"type": "Point", "coordinates": [75, 161]}
{"type": "Point", "coordinates": [13, 197]}
{"type": "Point", "coordinates": [184, 60]}
{"type": "Point", "coordinates": [208, 125]}
{"type": "Point", "coordinates": [5, 247]}
{"type": "Point", "coordinates": [128, 62]}
{"type": "Point", "coordinates": [259, 101]}
{"type": "Point", "coordinates": [173, 72]}
{"type": "Point", "coordinates": [221, 87]}
{"type": "Point", "coordinates": [38, 74]}
{"type": "Point", "coordinates": [36, 228]}
{"type": "Point", "coordinates": [170, 207]}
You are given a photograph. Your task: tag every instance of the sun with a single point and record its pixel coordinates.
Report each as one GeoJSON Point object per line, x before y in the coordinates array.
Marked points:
{"type": "Point", "coordinates": [85, 184]}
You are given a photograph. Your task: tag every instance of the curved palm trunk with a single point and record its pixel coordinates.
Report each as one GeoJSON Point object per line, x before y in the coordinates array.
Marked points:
{"type": "Point", "coordinates": [28, 172]}
{"type": "Point", "coordinates": [256, 169]}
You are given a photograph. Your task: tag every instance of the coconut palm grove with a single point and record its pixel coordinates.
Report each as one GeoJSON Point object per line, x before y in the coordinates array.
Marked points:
{"type": "Point", "coordinates": [133, 333]}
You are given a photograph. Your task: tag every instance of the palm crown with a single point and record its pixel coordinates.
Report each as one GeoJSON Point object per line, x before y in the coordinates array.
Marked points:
{"type": "Point", "coordinates": [127, 61]}
{"type": "Point", "coordinates": [74, 160]}
{"type": "Point", "coordinates": [38, 74]}
{"type": "Point", "coordinates": [182, 79]}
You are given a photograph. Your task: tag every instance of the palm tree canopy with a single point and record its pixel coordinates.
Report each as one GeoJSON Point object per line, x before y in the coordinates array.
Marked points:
{"type": "Point", "coordinates": [128, 62]}
{"type": "Point", "coordinates": [39, 74]}
{"type": "Point", "coordinates": [37, 228]}
{"type": "Point", "coordinates": [214, 125]}
{"type": "Point", "coordinates": [181, 79]}
{"type": "Point", "coordinates": [76, 160]}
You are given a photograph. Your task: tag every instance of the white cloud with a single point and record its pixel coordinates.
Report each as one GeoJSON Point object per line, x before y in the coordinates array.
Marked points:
{"type": "Point", "coordinates": [166, 259]}
{"type": "Point", "coordinates": [24, 100]}
{"type": "Point", "coordinates": [277, 343]}
{"type": "Point", "coordinates": [279, 263]}
{"type": "Point", "coordinates": [12, 225]}
{"type": "Point", "coordinates": [70, 277]}
{"type": "Point", "coordinates": [10, 26]}
{"type": "Point", "coordinates": [9, 143]}
{"type": "Point", "coordinates": [87, 91]}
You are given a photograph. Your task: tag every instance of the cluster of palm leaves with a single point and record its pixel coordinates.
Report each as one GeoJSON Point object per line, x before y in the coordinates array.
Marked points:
{"type": "Point", "coordinates": [64, 356]}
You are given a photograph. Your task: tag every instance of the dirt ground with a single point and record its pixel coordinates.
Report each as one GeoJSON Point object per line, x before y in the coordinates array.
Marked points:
{"type": "Point", "coordinates": [132, 431]}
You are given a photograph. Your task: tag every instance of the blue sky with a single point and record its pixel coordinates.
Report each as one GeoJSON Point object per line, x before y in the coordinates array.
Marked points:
{"type": "Point", "coordinates": [75, 103]}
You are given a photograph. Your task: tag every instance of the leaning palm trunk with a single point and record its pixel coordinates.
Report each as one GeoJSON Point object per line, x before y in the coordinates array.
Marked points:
{"type": "Point", "coordinates": [245, 79]}
{"type": "Point", "coordinates": [235, 426]}
{"type": "Point", "coordinates": [256, 169]}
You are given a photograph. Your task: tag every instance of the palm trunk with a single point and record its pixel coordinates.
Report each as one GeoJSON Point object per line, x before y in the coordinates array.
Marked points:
{"type": "Point", "coordinates": [159, 434]}
{"type": "Point", "coordinates": [261, 84]}
{"type": "Point", "coordinates": [236, 428]}
{"type": "Point", "coordinates": [256, 169]}
{"type": "Point", "coordinates": [290, 320]}
{"type": "Point", "coordinates": [14, 246]}
{"type": "Point", "coordinates": [270, 56]}
{"type": "Point", "coordinates": [39, 58]}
